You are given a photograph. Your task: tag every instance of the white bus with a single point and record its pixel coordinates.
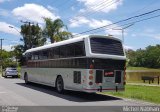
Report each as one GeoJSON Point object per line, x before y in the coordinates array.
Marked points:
{"type": "Point", "coordinates": [92, 63]}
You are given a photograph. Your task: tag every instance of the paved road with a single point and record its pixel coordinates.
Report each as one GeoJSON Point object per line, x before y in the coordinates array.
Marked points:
{"type": "Point", "coordinates": [15, 92]}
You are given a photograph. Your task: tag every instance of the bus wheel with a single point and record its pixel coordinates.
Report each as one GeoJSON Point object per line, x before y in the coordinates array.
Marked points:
{"type": "Point", "coordinates": [26, 78]}
{"type": "Point", "coordinates": [59, 84]}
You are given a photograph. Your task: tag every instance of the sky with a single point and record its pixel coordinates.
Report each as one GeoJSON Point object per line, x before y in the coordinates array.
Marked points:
{"type": "Point", "coordinates": [84, 15]}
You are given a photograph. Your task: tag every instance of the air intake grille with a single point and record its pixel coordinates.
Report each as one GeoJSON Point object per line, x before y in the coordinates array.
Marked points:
{"type": "Point", "coordinates": [77, 77]}
{"type": "Point", "coordinates": [106, 46]}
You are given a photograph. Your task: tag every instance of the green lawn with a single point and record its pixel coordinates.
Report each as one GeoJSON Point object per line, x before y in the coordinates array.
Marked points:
{"type": "Point", "coordinates": [146, 93]}
{"type": "Point", "coordinates": [142, 68]}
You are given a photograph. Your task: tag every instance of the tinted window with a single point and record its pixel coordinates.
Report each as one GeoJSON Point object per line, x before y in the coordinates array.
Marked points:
{"type": "Point", "coordinates": [70, 50]}
{"type": "Point", "coordinates": [79, 49]}
{"type": "Point", "coordinates": [56, 52]}
{"type": "Point", "coordinates": [51, 53]}
{"type": "Point", "coordinates": [28, 56]}
{"type": "Point", "coordinates": [63, 51]}
{"type": "Point", "coordinates": [36, 55]}
{"type": "Point", "coordinates": [106, 46]}
{"type": "Point", "coordinates": [43, 54]}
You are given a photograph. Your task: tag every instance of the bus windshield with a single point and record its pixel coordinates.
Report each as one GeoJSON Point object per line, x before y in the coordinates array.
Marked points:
{"type": "Point", "coordinates": [106, 46]}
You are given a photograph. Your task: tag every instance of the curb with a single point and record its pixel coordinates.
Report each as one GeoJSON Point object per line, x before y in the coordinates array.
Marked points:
{"type": "Point", "coordinates": [135, 100]}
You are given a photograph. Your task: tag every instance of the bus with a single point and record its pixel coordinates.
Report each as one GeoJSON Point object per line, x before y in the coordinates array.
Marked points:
{"type": "Point", "coordinates": [93, 63]}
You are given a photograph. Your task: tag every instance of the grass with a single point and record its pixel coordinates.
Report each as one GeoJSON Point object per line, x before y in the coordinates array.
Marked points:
{"type": "Point", "coordinates": [146, 93]}
{"type": "Point", "coordinates": [142, 68]}
{"type": "Point", "coordinates": [19, 71]}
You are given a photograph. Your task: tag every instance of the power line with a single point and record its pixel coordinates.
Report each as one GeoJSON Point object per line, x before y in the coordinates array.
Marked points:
{"type": "Point", "coordinates": [88, 14]}
{"type": "Point", "coordinates": [132, 22]}
{"type": "Point", "coordinates": [146, 6]}
{"type": "Point", "coordinates": [120, 21]}
{"type": "Point", "coordinates": [147, 18]}
{"type": "Point", "coordinates": [96, 9]}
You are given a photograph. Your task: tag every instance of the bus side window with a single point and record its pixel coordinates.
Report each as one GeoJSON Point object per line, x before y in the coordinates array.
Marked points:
{"type": "Point", "coordinates": [62, 52]}
{"type": "Point", "coordinates": [51, 53]}
{"type": "Point", "coordinates": [36, 55]}
{"type": "Point", "coordinates": [43, 54]}
{"type": "Point", "coordinates": [79, 49]}
{"type": "Point", "coordinates": [29, 56]}
{"type": "Point", "coordinates": [56, 52]}
{"type": "Point", "coordinates": [70, 50]}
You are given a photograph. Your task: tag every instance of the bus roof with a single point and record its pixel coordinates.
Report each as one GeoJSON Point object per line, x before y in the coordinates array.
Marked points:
{"type": "Point", "coordinates": [72, 40]}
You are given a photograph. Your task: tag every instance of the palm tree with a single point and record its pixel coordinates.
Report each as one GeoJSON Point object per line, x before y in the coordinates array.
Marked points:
{"type": "Point", "coordinates": [53, 30]}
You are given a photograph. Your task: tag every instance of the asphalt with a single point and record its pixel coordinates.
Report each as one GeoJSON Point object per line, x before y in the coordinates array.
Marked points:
{"type": "Point", "coordinates": [14, 92]}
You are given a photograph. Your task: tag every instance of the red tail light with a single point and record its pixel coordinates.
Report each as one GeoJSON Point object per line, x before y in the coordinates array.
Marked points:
{"type": "Point", "coordinates": [91, 77]}
{"type": "Point", "coordinates": [90, 71]}
{"type": "Point", "coordinates": [91, 66]}
{"type": "Point", "coordinates": [90, 83]}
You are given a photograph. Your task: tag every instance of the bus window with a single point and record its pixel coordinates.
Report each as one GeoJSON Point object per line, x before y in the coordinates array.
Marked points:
{"type": "Point", "coordinates": [56, 52]}
{"type": "Point", "coordinates": [62, 53]}
{"type": "Point", "coordinates": [43, 54]}
{"type": "Point", "coordinates": [106, 46]}
{"type": "Point", "coordinates": [79, 49]}
{"type": "Point", "coordinates": [70, 50]}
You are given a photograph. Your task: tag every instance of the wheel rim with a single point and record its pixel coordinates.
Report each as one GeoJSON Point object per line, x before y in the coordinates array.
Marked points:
{"type": "Point", "coordinates": [26, 78]}
{"type": "Point", "coordinates": [59, 84]}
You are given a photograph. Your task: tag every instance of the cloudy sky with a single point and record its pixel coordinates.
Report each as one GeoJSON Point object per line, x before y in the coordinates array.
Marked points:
{"type": "Point", "coordinates": [84, 15]}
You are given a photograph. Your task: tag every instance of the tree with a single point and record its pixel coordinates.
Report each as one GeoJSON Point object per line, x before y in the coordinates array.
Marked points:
{"type": "Point", "coordinates": [53, 30]}
{"type": "Point", "coordinates": [32, 36]}
{"type": "Point", "coordinates": [8, 60]}
{"type": "Point", "coordinates": [149, 57]}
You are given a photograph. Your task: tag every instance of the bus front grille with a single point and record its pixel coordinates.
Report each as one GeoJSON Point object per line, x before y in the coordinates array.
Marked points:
{"type": "Point", "coordinates": [99, 76]}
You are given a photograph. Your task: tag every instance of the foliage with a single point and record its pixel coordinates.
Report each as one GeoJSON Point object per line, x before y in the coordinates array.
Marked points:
{"type": "Point", "coordinates": [54, 30]}
{"type": "Point", "coordinates": [8, 59]}
{"type": "Point", "coordinates": [149, 57]}
{"type": "Point", "coordinates": [32, 36]}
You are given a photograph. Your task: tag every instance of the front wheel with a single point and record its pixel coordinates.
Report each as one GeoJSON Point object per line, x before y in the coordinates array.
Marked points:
{"type": "Point", "coordinates": [26, 78]}
{"type": "Point", "coordinates": [59, 85]}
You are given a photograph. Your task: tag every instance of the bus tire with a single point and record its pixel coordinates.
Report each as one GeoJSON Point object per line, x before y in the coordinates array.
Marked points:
{"type": "Point", "coordinates": [26, 78]}
{"type": "Point", "coordinates": [59, 85]}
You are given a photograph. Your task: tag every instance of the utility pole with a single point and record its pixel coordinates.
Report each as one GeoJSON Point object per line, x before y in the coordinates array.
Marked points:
{"type": "Point", "coordinates": [122, 29]}
{"type": "Point", "coordinates": [1, 57]}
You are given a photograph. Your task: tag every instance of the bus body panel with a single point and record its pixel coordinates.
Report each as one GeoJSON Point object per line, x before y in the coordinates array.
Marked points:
{"type": "Point", "coordinates": [76, 71]}
{"type": "Point", "coordinates": [39, 75]}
